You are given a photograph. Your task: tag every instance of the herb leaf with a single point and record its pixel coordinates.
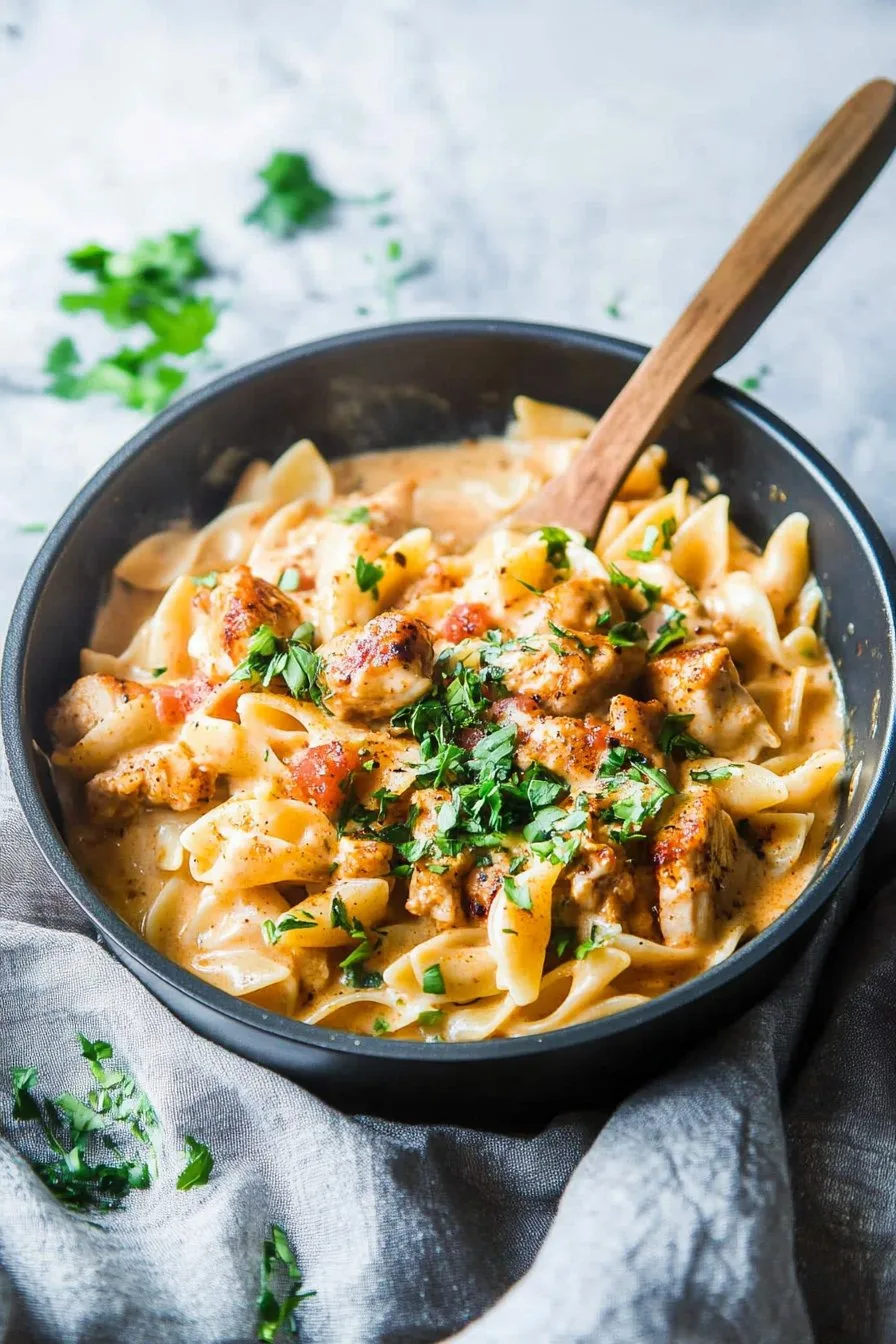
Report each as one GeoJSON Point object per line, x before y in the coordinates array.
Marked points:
{"type": "Point", "coordinates": [673, 738]}
{"type": "Point", "coordinates": [716, 772]}
{"type": "Point", "coordinates": [517, 893]}
{"type": "Point", "coordinates": [293, 199]}
{"type": "Point", "coordinates": [432, 981]}
{"type": "Point", "coordinates": [367, 576]}
{"type": "Point", "coordinates": [199, 1163]}
{"type": "Point", "coordinates": [672, 631]}
{"type": "Point", "coordinates": [293, 659]}
{"type": "Point", "coordinates": [278, 1260]}
{"type": "Point", "coordinates": [556, 539]}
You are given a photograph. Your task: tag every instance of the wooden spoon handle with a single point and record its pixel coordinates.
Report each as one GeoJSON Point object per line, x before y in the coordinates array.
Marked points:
{"type": "Point", "coordinates": [787, 232]}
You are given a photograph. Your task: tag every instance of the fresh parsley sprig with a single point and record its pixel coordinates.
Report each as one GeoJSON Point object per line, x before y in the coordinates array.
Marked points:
{"type": "Point", "coordinates": [278, 1261]}
{"type": "Point", "coordinates": [673, 738]}
{"type": "Point", "coordinates": [293, 197]}
{"type": "Point", "coordinates": [672, 631]}
{"type": "Point", "coordinates": [268, 656]}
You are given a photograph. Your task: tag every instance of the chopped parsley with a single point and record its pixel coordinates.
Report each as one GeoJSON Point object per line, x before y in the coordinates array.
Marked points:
{"type": "Point", "coordinates": [71, 1125]}
{"type": "Point", "coordinates": [289, 580]}
{"type": "Point", "coordinates": [380, 1027]}
{"type": "Point", "coordinates": [209, 580]}
{"type": "Point", "coordinates": [33, 527]}
{"type": "Point", "coordinates": [432, 981]}
{"type": "Point", "coordinates": [672, 631]}
{"type": "Point", "coordinates": [430, 1017]}
{"type": "Point", "coordinates": [649, 591]}
{"type": "Point", "coordinates": [716, 772]}
{"type": "Point", "coordinates": [641, 789]}
{"type": "Point", "coordinates": [293, 198]}
{"type": "Point", "coordinates": [354, 972]}
{"type": "Point", "coordinates": [612, 309]}
{"type": "Point", "coordinates": [159, 671]}
{"type": "Point", "coordinates": [359, 514]}
{"type": "Point", "coordinates": [601, 935]}
{"type": "Point", "coordinates": [556, 540]}
{"type": "Point", "coordinates": [367, 576]}
{"type": "Point", "coordinates": [154, 287]}
{"type": "Point", "coordinates": [754, 381]}
{"type": "Point", "coordinates": [673, 738]}
{"type": "Point", "coordinates": [272, 930]}
{"type": "Point", "coordinates": [626, 634]}
{"type": "Point", "coordinates": [278, 1260]}
{"type": "Point", "coordinates": [293, 659]}
{"type": "Point", "coordinates": [648, 545]}
{"type": "Point", "coordinates": [668, 528]}
{"type": "Point", "coordinates": [199, 1163]}
{"type": "Point", "coordinates": [517, 893]}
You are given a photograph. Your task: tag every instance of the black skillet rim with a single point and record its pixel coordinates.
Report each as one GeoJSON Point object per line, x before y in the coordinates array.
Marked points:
{"type": "Point", "coordinates": [117, 932]}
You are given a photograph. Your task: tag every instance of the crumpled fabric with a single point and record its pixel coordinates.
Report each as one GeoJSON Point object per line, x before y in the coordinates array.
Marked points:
{"type": "Point", "coordinates": [749, 1195]}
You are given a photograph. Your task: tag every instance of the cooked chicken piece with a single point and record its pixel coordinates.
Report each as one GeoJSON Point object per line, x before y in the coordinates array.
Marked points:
{"type": "Point", "coordinates": [604, 882]}
{"type": "Point", "coordinates": [163, 776]}
{"type": "Point", "coordinates": [239, 603]}
{"type": "Point", "coordinates": [362, 858]}
{"type": "Point", "coordinates": [579, 603]}
{"type": "Point", "coordinates": [569, 676]}
{"type": "Point", "coordinates": [372, 672]}
{"type": "Point", "coordinates": [482, 885]}
{"type": "Point", "coordinates": [571, 748]}
{"type": "Point", "coordinates": [701, 679]}
{"type": "Point", "coordinates": [436, 894]}
{"type": "Point", "coordinates": [637, 723]}
{"type": "Point", "coordinates": [90, 700]}
{"type": "Point", "coordinates": [693, 854]}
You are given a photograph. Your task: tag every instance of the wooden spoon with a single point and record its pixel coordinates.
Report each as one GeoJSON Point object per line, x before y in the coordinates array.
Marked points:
{"type": "Point", "coordinates": [789, 229]}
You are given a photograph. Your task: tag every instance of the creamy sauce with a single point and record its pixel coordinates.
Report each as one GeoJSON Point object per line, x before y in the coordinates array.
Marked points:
{"type": "Point", "coordinates": [460, 493]}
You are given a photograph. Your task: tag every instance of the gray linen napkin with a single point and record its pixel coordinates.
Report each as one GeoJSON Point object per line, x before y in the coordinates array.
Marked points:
{"type": "Point", "coordinates": [675, 1219]}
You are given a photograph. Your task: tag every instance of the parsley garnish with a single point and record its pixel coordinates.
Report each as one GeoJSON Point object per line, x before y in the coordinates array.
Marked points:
{"type": "Point", "coordinates": [289, 580]}
{"type": "Point", "coordinates": [70, 1125]}
{"type": "Point", "coordinates": [367, 576]}
{"type": "Point", "coordinates": [380, 1026]}
{"type": "Point", "coordinates": [293, 659]}
{"type": "Point", "coordinates": [209, 580]}
{"type": "Point", "coordinates": [672, 631]}
{"type": "Point", "coordinates": [626, 634]}
{"type": "Point", "coordinates": [354, 973]}
{"type": "Point", "coordinates": [33, 527]}
{"type": "Point", "coordinates": [753, 383]}
{"type": "Point", "coordinates": [648, 544]}
{"type": "Point", "coordinates": [612, 309]}
{"type": "Point", "coordinates": [293, 199]}
{"type": "Point", "coordinates": [154, 287]}
{"type": "Point", "coordinates": [556, 540]}
{"type": "Point", "coordinates": [199, 1163]}
{"type": "Point", "coordinates": [518, 893]}
{"type": "Point", "coordinates": [645, 787]}
{"type": "Point", "coordinates": [159, 671]}
{"type": "Point", "coordinates": [673, 738]}
{"type": "Point", "coordinates": [649, 591]}
{"type": "Point", "coordinates": [273, 930]}
{"type": "Point", "coordinates": [430, 1017]}
{"type": "Point", "coordinates": [277, 1254]}
{"type": "Point", "coordinates": [668, 528]}
{"type": "Point", "coordinates": [359, 514]}
{"type": "Point", "coordinates": [601, 934]}
{"type": "Point", "coordinates": [716, 772]}
{"type": "Point", "coordinates": [432, 981]}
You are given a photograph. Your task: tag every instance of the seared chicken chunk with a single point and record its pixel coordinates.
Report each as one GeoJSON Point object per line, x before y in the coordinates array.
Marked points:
{"type": "Point", "coordinates": [87, 703]}
{"type": "Point", "coordinates": [482, 885]}
{"type": "Point", "coordinates": [372, 672]}
{"type": "Point", "coordinates": [571, 748]}
{"type": "Point", "coordinates": [701, 679]}
{"type": "Point", "coordinates": [437, 895]}
{"type": "Point", "coordinates": [569, 676]}
{"type": "Point", "coordinates": [603, 882]}
{"type": "Point", "coordinates": [637, 724]}
{"type": "Point", "coordinates": [163, 776]}
{"type": "Point", "coordinates": [239, 603]}
{"type": "Point", "coordinates": [357, 857]}
{"type": "Point", "coordinates": [693, 855]}
{"type": "Point", "coordinates": [579, 603]}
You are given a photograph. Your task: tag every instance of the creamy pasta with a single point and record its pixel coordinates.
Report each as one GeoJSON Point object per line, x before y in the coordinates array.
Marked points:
{"type": "Point", "coordinates": [361, 752]}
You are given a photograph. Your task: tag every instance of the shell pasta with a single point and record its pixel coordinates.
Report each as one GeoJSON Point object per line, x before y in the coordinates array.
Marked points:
{"type": "Point", "coordinates": [361, 752]}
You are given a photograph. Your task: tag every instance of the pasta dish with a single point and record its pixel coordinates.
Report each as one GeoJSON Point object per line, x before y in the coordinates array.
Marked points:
{"type": "Point", "coordinates": [361, 752]}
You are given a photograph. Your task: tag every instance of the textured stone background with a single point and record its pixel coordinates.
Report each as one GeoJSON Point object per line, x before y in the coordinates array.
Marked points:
{"type": "Point", "coordinates": [545, 154]}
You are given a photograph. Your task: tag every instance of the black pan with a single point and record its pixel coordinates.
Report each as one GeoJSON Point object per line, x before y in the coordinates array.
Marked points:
{"type": "Point", "coordinates": [419, 383]}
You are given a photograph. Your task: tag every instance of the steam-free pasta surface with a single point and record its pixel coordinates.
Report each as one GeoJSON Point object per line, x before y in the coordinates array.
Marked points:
{"type": "Point", "coordinates": [363, 754]}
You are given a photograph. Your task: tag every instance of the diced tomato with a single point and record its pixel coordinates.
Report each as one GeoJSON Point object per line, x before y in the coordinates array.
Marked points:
{"type": "Point", "coordinates": [174, 703]}
{"type": "Point", "coordinates": [468, 620]}
{"type": "Point", "coordinates": [468, 737]}
{"type": "Point", "coordinates": [321, 775]}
